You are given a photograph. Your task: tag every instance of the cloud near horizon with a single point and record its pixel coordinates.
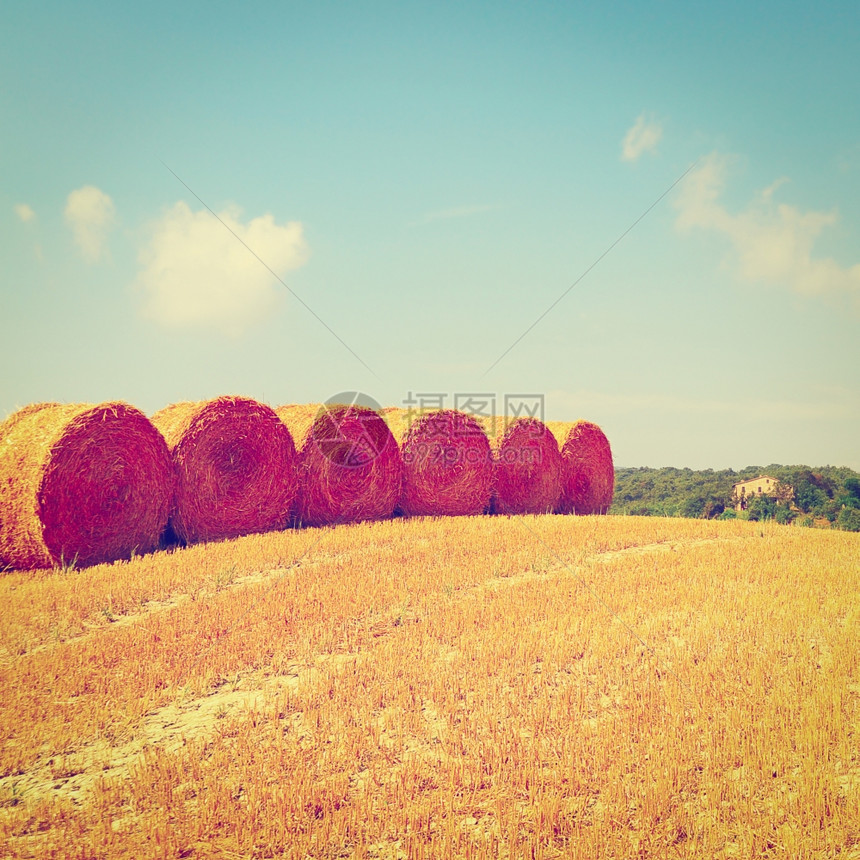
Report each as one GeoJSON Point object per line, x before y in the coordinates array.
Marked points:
{"type": "Point", "coordinates": [194, 273]}
{"type": "Point", "coordinates": [91, 214]}
{"type": "Point", "coordinates": [772, 242]}
{"type": "Point", "coordinates": [24, 212]}
{"type": "Point", "coordinates": [642, 137]}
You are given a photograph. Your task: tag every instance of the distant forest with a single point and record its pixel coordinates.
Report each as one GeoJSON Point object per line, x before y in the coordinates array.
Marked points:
{"type": "Point", "coordinates": [817, 496]}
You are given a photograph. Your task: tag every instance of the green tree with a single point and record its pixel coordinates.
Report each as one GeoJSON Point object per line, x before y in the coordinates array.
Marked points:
{"type": "Point", "coordinates": [848, 519]}
{"type": "Point", "coordinates": [852, 489]}
{"type": "Point", "coordinates": [812, 492]}
{"type": "Point", "coordinates": [761, 508]}
{"type": "Point", "coordinates": [784, 514]}
{"type": "Point", "coordinates": [849, 495]}
{"type": "Point", "coordinates": [692, 507]}
{"type": "Point", "coordinates": [669, 492]}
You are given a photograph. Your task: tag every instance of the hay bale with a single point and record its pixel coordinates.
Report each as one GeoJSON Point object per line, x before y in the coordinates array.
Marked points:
{"type": "Point", "coordinates": [447, 463]}
{"type": "Point", "coordinates": [527, 466]}
{"type": "Point", "coordinates": [349, 463]}
{"type": "Point", "coordinates": [81, 484]}
{"type": "Point", "coordinates": [588, 474]}
{"type": "Point", "coordinates": [235, 465]}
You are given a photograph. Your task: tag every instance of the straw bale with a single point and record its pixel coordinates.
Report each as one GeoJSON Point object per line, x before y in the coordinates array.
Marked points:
{"type": "Point", "coordinates": [235, 465]}
{"type": "Point", "coordinates": [588, 474]}
{"type": "Point", "coordinates": [81, 484]}
{"type": "Point", "coordinates": [447, 462]}
{"type": "Point", "coordinates": [527, 466]}
{"type": "Point", "coordinates": [349, 464]}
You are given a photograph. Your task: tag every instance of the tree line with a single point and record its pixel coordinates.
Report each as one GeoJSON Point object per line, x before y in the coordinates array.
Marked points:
{"type": "Point", "coordinates": [806, 495]}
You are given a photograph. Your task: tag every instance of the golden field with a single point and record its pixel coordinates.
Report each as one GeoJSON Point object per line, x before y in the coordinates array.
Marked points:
{"type": "Point", "coordinates": [532, 687]}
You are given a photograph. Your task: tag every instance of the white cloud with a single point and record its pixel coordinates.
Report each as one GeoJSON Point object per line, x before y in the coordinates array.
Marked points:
{"type": "Point", "coordinates": [772, 242]}
{"type": "Point", "coordinates": [90, 213]}
{"type": "Point", "coordinates": [195, 273]}
{"type": "Point", "coordinates": [24, 212]}
{"type": "Point", "coordinates": [643, 136]}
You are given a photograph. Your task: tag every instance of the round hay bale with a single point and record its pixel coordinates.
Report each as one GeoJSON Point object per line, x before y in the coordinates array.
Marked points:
{"type": "Point", "coordinates": [588, 474]}
{"type": "Point", "coordinates": [349, 463]}
{"type": "Point", "coordinates": [235, 465]}
{"type": "Point", "coordinates": [527, 466]}
{"type": "Point", "coordinates": [81, 484]}
{"type": "Point", "coordinates": [447, 463]}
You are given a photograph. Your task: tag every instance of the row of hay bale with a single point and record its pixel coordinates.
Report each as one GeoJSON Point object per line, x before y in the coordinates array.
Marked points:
{"type": "Point", "coordinates": [83, 484]}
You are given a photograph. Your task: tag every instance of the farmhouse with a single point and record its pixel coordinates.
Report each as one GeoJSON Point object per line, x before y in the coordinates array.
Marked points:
{"type": "Point", "coordinates": [761, 486]}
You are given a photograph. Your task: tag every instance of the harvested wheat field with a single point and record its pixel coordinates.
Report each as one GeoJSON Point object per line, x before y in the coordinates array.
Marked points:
{"type": "Point", "coordinates": [547, 687]}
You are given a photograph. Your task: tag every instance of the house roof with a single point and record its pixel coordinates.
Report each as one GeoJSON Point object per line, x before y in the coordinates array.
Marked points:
{"type": "Point", "coordinates": [753, 480]}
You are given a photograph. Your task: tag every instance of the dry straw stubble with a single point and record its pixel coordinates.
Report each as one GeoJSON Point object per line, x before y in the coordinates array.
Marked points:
{"type": "Point", "coordinates": [81, 484]}
{"type": "Point", "coordinates": [447, 462]}
{"type": "Point", "coordinates": [349, 463]}
{"type": "Point", "coordinates": [235, 465]}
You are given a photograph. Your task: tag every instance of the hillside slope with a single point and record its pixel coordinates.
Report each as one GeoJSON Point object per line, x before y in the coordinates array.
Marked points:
{"type": "Point", "coordinates": [470, 687]}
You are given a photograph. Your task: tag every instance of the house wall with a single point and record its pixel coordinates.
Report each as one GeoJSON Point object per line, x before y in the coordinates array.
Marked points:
{"type": "Point", "coordinates": [755, 487]}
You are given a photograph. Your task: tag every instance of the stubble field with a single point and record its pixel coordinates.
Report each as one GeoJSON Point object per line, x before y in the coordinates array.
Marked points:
{"type": "Point", "coordinates": [473, 687]}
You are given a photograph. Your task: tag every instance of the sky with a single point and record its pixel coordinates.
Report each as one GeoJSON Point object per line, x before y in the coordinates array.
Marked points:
{"type": "Point", "coordinates": [642, 214]}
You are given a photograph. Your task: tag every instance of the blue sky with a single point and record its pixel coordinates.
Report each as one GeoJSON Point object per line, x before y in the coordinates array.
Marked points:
{"type": "Point", "coordinates": [429, 179]}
